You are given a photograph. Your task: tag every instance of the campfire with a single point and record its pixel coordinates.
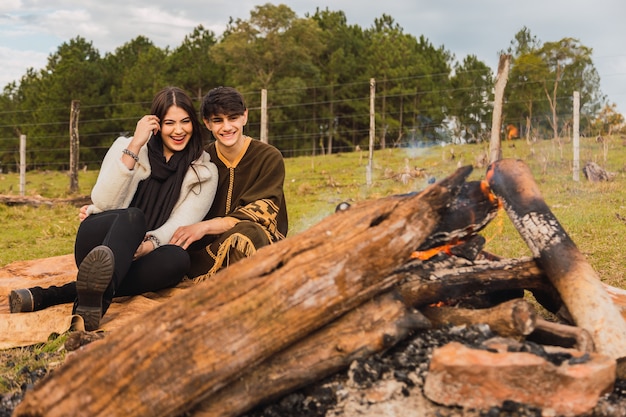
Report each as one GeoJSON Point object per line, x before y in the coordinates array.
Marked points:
{"type": "Point", "coordinates": [358, 283]}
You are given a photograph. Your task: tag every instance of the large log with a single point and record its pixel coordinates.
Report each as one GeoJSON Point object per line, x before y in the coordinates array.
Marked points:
{"type": "Point", "coordinates": [206, 338]}
{"type": "Point", "coordinates": [374, 326]}
{"type": "Point", "coordinates": [578, 284]}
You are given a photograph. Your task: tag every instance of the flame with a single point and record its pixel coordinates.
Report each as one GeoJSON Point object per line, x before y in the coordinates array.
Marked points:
{"type": "Point", "coordinates": [486, 189]}
{"type": "Point", "coordinates": [424, 255]}
{"type": "Point", "coordinates": [438, 304]}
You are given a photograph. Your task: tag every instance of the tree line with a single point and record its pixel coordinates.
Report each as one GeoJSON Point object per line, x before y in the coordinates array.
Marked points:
{"type": "Point", "coordinates": [316, 70]}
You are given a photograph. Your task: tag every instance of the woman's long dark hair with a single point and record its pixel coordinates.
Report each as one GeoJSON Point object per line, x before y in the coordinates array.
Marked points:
{"type": "Point", "coordinates": [157, 195]}
{"type": "Point", "coordinates": [174, 96]}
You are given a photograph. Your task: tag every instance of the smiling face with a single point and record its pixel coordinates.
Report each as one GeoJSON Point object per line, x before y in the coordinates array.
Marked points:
{"type": "Point", "coordinates": [227, 130]}
{"type": "Point", "coordinates": [176, 130]}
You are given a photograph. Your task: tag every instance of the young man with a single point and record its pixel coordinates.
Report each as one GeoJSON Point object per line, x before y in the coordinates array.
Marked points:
{"type": "Point", "coordinates": [249, 210]}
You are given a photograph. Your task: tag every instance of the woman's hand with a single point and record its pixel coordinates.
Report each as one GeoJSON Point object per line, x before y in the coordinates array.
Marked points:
{"type": "Point", "coordinates": [146, 126]}
{"type": "Point", "coordinates": [82, 214]}
{"type": "Point", "coordinates": [145, 248]}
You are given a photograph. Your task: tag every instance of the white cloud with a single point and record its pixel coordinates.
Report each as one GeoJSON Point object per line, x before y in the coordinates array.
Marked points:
{"type": "Point", "coordinates": [16, 62]}
{"type": "Point", "coordinates": [478, 27]}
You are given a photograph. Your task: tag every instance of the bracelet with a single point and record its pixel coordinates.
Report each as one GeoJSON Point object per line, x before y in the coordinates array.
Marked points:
{"type": "Point", "coordinates": [155, 240]}
{"type": "Point", "coordinates": [131, 154]}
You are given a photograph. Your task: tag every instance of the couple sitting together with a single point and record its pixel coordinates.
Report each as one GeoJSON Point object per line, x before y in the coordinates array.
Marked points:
{"type": "Point", "coordinates": [165, 209]}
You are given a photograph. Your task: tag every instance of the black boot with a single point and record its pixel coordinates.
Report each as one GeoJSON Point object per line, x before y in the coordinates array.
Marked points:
{"type": "Point", "coordinates": [93, 285]}
{"type": "Point", "coordinates": [37, 298]}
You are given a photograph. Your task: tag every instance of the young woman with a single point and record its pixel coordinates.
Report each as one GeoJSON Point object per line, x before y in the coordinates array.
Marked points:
{"type": "Point", "coordinates": [149, 185]}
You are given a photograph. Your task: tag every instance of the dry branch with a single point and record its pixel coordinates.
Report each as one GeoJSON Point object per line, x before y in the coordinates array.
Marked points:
{"type": "Point", "coordinates": [557, 334]}
{"type": "Point", "coordinates": [37, 200]}
{"type": "Point", "coordinates": [514, 318]}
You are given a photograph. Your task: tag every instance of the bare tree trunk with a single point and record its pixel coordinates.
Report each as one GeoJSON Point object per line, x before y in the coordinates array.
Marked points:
{"type": "Point", "coordinates": [495, 145]}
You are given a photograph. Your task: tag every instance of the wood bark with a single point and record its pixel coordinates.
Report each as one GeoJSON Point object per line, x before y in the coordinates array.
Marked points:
{"type": "Point", "coordinates": [578, 284]}
{"type": "Point", "coordinates": [452, 279]}
{"type": "Point", "coordinates": [515, 318]}
{"type": "Point", "coordinates": [368, 329]}
{"type": "Point", "coordinates": [558, 334]}
{"type": "Point", "coordinates": [372, 327]}
{"type": "Point", "coordinates": [248, 312]}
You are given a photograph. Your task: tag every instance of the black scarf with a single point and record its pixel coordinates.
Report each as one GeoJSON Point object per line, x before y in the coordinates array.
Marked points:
{"type": "Point", "coordinates": [157, 194]}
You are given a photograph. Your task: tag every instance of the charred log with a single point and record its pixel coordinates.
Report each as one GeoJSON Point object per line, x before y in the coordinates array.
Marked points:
{"type": "Point", "coordinates": [578, 284]}
{"type": "Point", "coordinates": [453, 280]}
{"type": "Point", "coordinates": [557, 334]}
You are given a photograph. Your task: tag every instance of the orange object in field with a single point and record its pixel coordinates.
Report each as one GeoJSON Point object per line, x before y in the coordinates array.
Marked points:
{"type": "Point", "coordinates": [511, 132]}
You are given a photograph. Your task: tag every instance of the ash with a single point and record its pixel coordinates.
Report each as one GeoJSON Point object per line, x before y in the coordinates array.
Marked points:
{"type": "Point", "coordinates": [406, 363]}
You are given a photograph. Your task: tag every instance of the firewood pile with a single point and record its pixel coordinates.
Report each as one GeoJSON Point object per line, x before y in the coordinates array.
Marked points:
{"type": "Point", "coordinates": [398, 286]}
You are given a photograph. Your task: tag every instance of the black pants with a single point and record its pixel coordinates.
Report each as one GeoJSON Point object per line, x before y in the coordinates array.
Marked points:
{"type": "Point", "coordinates": [123, 231]}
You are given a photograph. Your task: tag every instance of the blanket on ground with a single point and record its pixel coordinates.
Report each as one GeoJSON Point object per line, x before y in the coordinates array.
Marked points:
{"type": "Point", "coordinates": [24, 329]}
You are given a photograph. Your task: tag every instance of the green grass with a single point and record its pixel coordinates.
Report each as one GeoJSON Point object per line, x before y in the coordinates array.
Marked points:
{"type": "Point", "coordinates": [589, 212]}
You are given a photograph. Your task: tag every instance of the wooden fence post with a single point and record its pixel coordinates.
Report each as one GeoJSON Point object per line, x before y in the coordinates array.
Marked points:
{"type": "Point", "coordinates": [576, 136]}
{"type": "Point", "coordinates": [74, 145]}
{"type": "Point", "coordinates": [22, 164]}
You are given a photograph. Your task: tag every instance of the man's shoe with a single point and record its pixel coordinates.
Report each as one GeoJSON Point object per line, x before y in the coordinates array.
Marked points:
{"type": "Point", "coordinates": [94, 276]}
{"type": "Point", "coordinates": [21, 301]}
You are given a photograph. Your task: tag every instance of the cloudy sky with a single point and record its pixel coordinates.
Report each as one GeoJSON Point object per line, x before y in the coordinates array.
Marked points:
{"type": "Point", "coordinates": [30, 30]}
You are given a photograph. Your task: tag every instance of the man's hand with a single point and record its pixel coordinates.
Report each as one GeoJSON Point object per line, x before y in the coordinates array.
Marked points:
{"type": "Point", "coordinates": [186, 235]}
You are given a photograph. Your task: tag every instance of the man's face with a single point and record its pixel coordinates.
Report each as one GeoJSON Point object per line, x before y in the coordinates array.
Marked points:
{"type": "Point", "coordinates": [227, 129]}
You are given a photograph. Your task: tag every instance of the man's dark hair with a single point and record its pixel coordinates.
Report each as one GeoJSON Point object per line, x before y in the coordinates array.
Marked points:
{"type": "Point", "coordinates": [222, 100]}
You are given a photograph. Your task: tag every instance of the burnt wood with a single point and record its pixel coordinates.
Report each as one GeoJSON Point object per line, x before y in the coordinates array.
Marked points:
{"type": "Point", "coordinates": [559, 334]}
{"type": "Point", "coordinates": [565, 266]}
{"type": "Point", "coordinates": [515, 318]}
{"type": "Point", "coordinates": [373, 327]}
{"type": "Point", "coordinates": [205, 339]}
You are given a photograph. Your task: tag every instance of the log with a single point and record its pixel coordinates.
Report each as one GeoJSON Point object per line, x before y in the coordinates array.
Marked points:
{"type": "Point", "coordinates": [371, 328]}
{"type": "Point", "coordinates": [514, 318]}
{"type": "Point", "coordinates": [205, 339]}
{"type": "Point", "coordinates": [581, 290]}
{"type": "Point", "coordinates": [37, 200]}
{"type": "Point", "coordinates": [452, 279]}
{"type": "Point", "coordinates": [558, 334]}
